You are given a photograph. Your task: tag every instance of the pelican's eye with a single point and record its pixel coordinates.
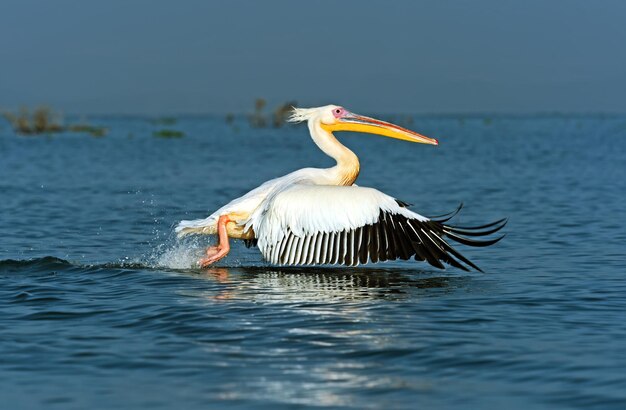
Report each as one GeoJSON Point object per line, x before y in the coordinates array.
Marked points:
{"type": "Point", "coordinates": [339, 112]}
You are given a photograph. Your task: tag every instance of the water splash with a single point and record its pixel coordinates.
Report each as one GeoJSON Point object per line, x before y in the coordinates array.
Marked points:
{"type": "Point", "coordinates": [179, 255]}
{"type": "Point", "coordinates": [174, 253]}
{"type": "Point", "coordinates": [184, 254]}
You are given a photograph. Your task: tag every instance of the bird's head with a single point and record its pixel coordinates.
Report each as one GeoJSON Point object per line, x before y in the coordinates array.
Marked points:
{"type": "Point", "coordinates": [335, 118]}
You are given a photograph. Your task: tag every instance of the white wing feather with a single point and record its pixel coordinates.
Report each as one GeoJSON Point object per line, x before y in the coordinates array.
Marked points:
{"type": "Point", "coordinates": [306, 210]}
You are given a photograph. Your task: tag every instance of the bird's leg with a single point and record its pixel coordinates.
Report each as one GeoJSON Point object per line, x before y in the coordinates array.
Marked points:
{"type": "Point", "coordinates": [215, 253]}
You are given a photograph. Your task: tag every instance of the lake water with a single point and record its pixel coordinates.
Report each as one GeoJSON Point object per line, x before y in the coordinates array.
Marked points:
{"type": "Point", "coordinates": [100, 306]}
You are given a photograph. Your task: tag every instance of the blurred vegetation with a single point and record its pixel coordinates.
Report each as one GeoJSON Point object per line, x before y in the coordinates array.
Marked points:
{"type": "Point", "coordinates": [42, 120]}
{"type": "Point", "coordinates": [88, 129]}
{"type": "Point", "coordinates": [281, 113]}
{"type": "Point", "coordinates": [164, 121]}
{"type": "Point", "coordinates": [167, 133]}
{"type": "Point", "coordinates": [258, 118]}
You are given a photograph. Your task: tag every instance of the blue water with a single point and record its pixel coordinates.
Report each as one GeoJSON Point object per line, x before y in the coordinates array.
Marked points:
{"type": "Point", "coordinates": [100, 306]}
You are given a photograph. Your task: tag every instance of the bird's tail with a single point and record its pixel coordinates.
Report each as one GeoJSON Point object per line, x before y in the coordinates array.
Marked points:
{"type": "Point", "coordinates": [206, 226]}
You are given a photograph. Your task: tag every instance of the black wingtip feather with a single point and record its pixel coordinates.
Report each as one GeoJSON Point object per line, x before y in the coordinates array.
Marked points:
{"type": "Point", "coordinates": [502, 221]}
{"type": "Point", "coordinates": [458, 255]}
{"type": "Point", "coordinates": [446, 217]}
{"type": "Point", "coordinates": [472, 242]}
{"type": "Point", "coordinates": [474, 232]}
{"type": "Point", "coordinates": [433, 254]}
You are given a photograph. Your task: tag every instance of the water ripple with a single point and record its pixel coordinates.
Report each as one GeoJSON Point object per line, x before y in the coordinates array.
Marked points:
{"type": "Point", "coordinates": [120, 317]}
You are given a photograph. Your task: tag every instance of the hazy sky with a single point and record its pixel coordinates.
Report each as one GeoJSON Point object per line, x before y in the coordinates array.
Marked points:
{"type": "Point", "coordinates": [389, 56]}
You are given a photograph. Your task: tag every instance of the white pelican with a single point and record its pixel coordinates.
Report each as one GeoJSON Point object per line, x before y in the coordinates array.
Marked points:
{"type": "Point", "coordinates": [318, 216]}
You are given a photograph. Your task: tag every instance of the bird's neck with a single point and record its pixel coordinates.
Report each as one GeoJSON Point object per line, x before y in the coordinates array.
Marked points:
{"type": "Point", "coordinates": [347, 169]}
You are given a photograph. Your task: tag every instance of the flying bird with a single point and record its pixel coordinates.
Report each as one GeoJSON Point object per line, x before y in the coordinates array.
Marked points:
{"type": "Point", "coordinates": [319, 216]}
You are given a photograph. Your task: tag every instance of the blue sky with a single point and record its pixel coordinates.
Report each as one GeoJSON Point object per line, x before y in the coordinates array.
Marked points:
{"type": "Point", "coordinates": [157, 57]}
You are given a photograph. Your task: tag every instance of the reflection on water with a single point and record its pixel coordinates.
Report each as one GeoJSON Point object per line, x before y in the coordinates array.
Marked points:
{"type": "Point", "coordinates": [296, 284]}
{"type": "Point", "coordinates": [333, 313]}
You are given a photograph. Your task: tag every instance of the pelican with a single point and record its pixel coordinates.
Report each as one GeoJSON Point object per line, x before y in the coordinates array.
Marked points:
{"type": "Point", "coordinates": [319, 216]}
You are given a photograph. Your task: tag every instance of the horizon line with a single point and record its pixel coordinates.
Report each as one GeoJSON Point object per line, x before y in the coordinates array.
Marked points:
{"type": "Point", "coordinates": [546, 113]}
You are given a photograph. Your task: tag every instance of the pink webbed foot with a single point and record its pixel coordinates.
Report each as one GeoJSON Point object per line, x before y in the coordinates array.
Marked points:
{"type": "Point", "coordinates": [213, 254]}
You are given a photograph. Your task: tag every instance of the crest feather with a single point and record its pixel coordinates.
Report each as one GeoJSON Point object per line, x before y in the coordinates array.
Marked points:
{"type": "Point", "coordinates": [301, 114]}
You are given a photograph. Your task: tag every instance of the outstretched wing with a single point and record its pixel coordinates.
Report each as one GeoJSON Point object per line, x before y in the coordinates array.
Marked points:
{"type": "Point", "coordinates": [350, 225]}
